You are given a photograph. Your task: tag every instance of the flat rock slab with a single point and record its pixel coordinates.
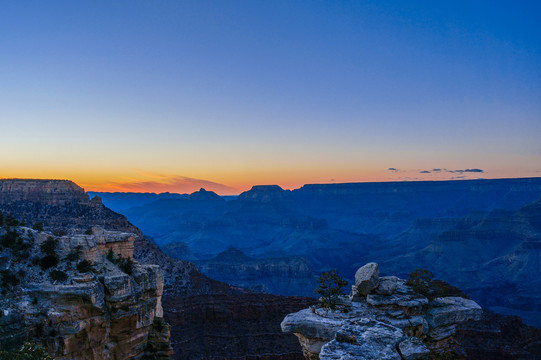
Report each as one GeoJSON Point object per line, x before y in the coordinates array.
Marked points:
{"type": "Point", "coordinates": [452, 310]}
{"type": "Point", "coordinates": [364, 340]}
{"type": "Point", "coordinates": [412, 348]}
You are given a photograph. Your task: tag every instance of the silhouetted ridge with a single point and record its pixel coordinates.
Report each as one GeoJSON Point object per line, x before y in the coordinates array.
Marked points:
{"type": "Point", "coordinates": [204, 195]}
{"type": "Point", "coordinates": [263, 193]}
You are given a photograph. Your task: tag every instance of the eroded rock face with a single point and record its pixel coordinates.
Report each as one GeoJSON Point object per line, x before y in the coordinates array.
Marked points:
{"type": "Point", "coordinates": [107, 312]}
{"type": "Point", "coordinates": [392, 325]}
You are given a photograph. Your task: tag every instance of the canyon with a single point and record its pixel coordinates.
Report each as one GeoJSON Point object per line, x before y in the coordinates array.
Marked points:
{"type": "Point", "coordinates": [105, 313]}
{"type": "Point", "coordinates": [402, 225]}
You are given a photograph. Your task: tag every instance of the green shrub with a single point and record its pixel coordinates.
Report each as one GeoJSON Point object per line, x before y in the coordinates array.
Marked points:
{"type": "Point", "coordinates": [49, 246]}
{"type": "Point", "coordinates": [48, 261]}
{"type": "Point", "coordinates": [111, 256]}
{"type": "Point", "coordinates": [331, 286]}
{"type": "Point", "coordinates": [58, 275]}
{"type": "Point", "coordinates": [85, 266]}
{"type": "Point", "coordinates": [89, 231]}
{"type": "Point", "coordinates": [126, 265]}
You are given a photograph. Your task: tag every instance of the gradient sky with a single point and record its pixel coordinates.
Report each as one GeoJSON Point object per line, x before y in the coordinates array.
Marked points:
{"type": "Point", "coordinates": [175, 95]}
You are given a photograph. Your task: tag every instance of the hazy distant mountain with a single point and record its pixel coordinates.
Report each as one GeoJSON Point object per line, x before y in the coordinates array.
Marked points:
{"type": "Point", "coordinates": [121, 201]}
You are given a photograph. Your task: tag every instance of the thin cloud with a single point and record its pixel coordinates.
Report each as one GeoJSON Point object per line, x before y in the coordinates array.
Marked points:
{"type": "Point", "coordinates": [171, 183]}
{"type": "Point", "coordinates": [465, 171]}
{"type": "Point", "coordinates": [393, 169]}
{"type": "Point", "coordinates": [436, 170]}
{"type": "Point", "coordinates": [424, 172]}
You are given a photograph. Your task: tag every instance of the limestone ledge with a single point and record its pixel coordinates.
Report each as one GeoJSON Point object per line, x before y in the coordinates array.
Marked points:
{"type": "Point", "coordinates": [368, 325]}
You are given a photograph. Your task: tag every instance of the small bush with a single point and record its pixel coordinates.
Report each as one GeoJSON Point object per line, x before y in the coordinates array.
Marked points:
{"type": "Point", "coordinates": [48, 261]}
{"type": "Point", "coordinates": [49, 246]}
{"type": "Point", "coordinates": [331, 286]}
{"type": "Point", "coordinates": [89, 231]}
{"type": "Point", "coordinates": [111, 256]}
{"type": "Point", "coordinates": [8, 279]}
{"type": "Point", "coordinates": [58, 275]}
{"type": "Point", "coordinates": [420, 280]}
{"type": "Point", "coordinates": [10, 239]}
{"type": "Point", "coordinates": [126, 265]}
{"type": "Point", "coordinates": [85, 266]}
{"type": "Point", "coordinates": [1, 219]}
{"type": "Point", "coordinates": [38, 226]}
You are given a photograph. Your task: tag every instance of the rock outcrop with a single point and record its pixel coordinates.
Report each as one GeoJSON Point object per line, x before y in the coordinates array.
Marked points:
{"type": "Point", "coordinates": [389, 321]}
{"type": "Point", "coordinates": [81, 296]}
{"type": "Point", "coordinates": [59, 205]}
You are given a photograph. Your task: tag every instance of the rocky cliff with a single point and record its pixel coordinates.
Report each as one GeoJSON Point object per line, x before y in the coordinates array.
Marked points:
{"type": "Point", "coordinates": [197, 305]}
{"type": "Point", "coordinates": [80, 295]}
{"type": "Point", "coordinates": [59, 205]}
{"type": "Point", "coordinates": [389, 318]}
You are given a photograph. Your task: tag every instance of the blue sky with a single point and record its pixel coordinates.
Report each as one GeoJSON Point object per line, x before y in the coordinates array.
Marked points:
{"type": "Point", "coordinates": [245, 92]}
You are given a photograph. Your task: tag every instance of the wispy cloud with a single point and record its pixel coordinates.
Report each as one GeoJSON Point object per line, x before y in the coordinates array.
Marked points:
{"type": "Point", "coordinates": [424, 172]}
{"type": "Point", "coordinates": [465, 171]}
{"type": "Point", "coordinates": [393, 169]}
{"type": "Point", "coordinates": [169, 183]}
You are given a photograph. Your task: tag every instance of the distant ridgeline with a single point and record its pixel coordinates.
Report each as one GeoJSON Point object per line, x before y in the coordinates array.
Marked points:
{"type": "Point", "coordinates": [457, 229]}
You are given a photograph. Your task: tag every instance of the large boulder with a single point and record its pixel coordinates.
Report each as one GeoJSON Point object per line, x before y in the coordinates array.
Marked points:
{"type": "Point", "coordinates": [366, 279]}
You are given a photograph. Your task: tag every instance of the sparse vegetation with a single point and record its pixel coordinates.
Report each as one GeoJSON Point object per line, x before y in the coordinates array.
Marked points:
{"type": "Point", "coordinates": [51, 259]}
{"type": "Point", "coordinates": [331, 286]}
{"type": "Point", "coordinates": [58, 275]}
{"type": "Point", "coordinates": [28, 351]}
{"type": "Point", "coordinates": [111, 256]}
{"type": "Point", "coordinates": [85, 266]}
{"type": "Point", "coordinates": [420, 280]}
{"type": "Point", "coordinates": [125, 264]}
